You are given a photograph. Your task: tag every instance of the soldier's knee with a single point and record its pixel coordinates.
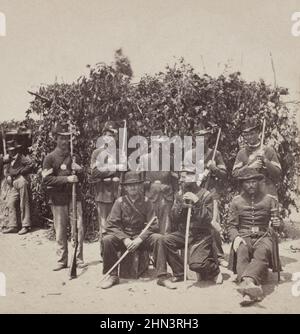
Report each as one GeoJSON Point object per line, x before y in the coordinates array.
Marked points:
{"type": "Point", "coordinates": [242, 250]}
{"type": "Point", "coordinates": [167, 240]}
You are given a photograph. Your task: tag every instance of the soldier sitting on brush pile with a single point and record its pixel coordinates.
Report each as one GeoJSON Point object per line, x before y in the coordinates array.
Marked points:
{"type": "Point", "coordinates": [127, 219]}
{"type": "Point", "coordinates": [18, 170]}
{"type": "Point", "coordinates": [202, 255]}
{"type": "Point", "coordinates": [253, 249]}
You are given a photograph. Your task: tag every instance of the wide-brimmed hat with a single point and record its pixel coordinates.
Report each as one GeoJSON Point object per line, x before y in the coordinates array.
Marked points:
{"type": "Point", "coordinates": [132, 177]}
{"type": "Point", "coordinates": [188, 174]}
{"type": "Point", "coordinates": [12, 145]}
{"type": "Point", "coordinates": [249, 174]}
{"type": "Point", "coordinates": [62, 129]}
{"type": "Point", "coordinates": [250, 124]}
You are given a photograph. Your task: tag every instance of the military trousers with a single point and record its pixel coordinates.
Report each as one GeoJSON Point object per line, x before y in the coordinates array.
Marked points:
{"type": "Point", "coordinates": [202, 257]}
{"type": "Point", "coordinates": [18, 201]}
{"type": "Point", "coordinates": [113, 245]}
{"type": "Point", "coordinates": [162, 209]}
{"type": "Point", "coordinates": [253, 259]}
{"type": "Point", "coordinates": [61, 217]}
{"type": "Point", "coordinates": [103, 211]}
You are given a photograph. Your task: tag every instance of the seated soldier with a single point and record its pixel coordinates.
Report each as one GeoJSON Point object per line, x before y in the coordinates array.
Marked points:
{"type": "Point", "coordinates": [202, 256]}
{"type": "Point", "coordinates": [252, 245]}
{"type": "Point", "coordinates": [127, 219]}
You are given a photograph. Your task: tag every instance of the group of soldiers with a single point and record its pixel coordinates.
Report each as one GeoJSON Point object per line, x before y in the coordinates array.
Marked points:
{"type": "Point", "coordinates": [127, 200]}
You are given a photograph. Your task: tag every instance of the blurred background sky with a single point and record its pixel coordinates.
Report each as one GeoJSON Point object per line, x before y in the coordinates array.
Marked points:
{"type": "Point", "coordinates": [50, 40]}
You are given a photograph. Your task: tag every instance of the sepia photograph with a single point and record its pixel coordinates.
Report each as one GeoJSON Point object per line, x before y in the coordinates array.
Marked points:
{"type": "Point", "coordinates": [149, 159]}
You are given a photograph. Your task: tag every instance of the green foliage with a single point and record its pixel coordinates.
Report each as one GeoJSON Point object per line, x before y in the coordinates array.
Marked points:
{"type": "Point", "coordinates": [175, 100]}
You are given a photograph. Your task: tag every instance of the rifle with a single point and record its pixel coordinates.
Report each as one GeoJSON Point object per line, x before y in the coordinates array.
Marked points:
{"type": "Point", "coordinates": [127, 251]}
{"type": "Point", "coordinates": [4, 184]}
{"type": "Point", "coordinates": [122, 154]}
{"type": "Point", "coordinates": [3, 142]}
{"type": "Point", "coordinates": [208, 173]}
{"type": "Point", "coordinates": [73, 267]}
{"type": "Point", "coordinates": [275, 247]}
{"type": "Point", "coordinates": [186, 244]}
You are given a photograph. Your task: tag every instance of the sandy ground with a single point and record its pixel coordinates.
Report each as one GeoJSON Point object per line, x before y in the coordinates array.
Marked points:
{"type": "Point", "coordinates": [32, 286]}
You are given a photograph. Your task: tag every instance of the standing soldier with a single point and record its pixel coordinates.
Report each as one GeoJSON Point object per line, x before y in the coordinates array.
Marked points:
{"type": "Point", "coordinates": [57, 170]}
{"type": "Point", "coordinates": [215, 173]}
{"type": "Point", "coordinates": [160, 184]}
{"type": "Point", "coordinates": [18, 170]}
{"type": "Point", "coordinates": [105, 176]}
{"type": "Point", "coordinates": [202, 256]}
{"type": "Point", "coordinates": [248, 226]}
{"type": "Point", "coordinates": [264, 160]}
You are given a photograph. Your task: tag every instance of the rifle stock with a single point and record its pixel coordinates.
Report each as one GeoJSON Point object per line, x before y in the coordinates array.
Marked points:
{"type": "Point", "coordinates": [186, 244]}
{"type": "Point", "coordinates": [73, 267]}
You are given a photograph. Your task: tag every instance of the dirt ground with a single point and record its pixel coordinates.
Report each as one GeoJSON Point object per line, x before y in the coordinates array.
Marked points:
{"type": "Point", "coordinates": [32, 286]}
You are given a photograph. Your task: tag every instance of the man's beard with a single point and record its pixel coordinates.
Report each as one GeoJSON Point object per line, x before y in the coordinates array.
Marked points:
{"type": "Point", "coordinates": [190, 187]}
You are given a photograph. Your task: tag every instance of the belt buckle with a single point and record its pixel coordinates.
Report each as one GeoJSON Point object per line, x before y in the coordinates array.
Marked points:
{"type": "Point", "coordinates": [254, 229]}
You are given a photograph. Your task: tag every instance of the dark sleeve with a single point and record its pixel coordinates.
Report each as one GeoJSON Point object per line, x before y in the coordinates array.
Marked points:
{"type": "Point", "coordinates": [233, 221]}
{"type": "Point", "coordinates": [239, 164]}
{"type": "Point", "coordinates": [221, 171]}
{"type": "Point", "coordinates": [114, 221]}
{"type": "Point", "coordinates": [273, 166]}
{"type": "Point", "coordinates": [95, 172]}
{"type": "Point", "coordinates": [49, 179]}
{"type": "Point", "coordinates": [150, 214]}
{"type": "Point", "coordinates": [178, 212]}
{"type": "Point", "coordinates": [202, 211]}
{"type": "Point", "coordinates": [27, 166]}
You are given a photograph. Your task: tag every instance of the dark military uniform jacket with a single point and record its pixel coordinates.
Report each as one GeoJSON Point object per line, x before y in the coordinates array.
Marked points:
{"type": "Point", "coordinates": [105, 189]}
{"type": "Point", "coordinates": [158, 184]}
{"type": "Point", "coordinates": [21, 165]}
{"type": "Point", "coordinates": [57, 167]}
{"type": "Point", "coordinates": [213, 183]}
{"type": "Point", "coordinates": [247, 155]}
{"type": "Point", "coordinates": [250, 215]}
{"type": "Point", "coordinates": [201, 216]}
{"type": "Point", "coordinates": [128, 219]}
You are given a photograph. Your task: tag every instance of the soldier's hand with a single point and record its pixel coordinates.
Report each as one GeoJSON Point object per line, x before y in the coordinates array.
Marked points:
{"type": "Point", "coordinates": [237, 241]}
{"type": "Point", "coordinates": [127, 242]}
{"type": "Point", "coordinates": [189, 196]}
{"type": "Point", "coordinates": [216, 225]}
{"type": "Point", "coordinates": [6, 157]}
{"type": "Point", "coordinates": [212, 165]}
{"type": "Point", "coordinates": [9, 180]}
{"type": "Point", "coordinates": [134, 244]}
{"type": "Point", "coordinates": [261, 155]}
{"type": "Point", "coordinates": [72, 179]}
{"type": "Point", "coordinates": [257, 164]}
